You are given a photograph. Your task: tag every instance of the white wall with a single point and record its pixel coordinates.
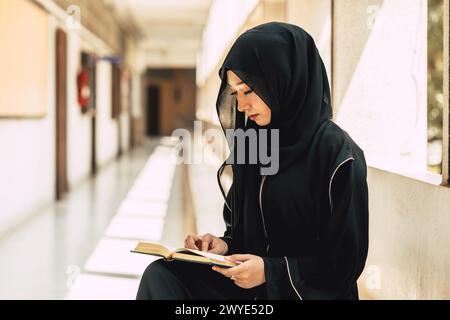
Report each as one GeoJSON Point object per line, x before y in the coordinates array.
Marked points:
{"type": "Point", "coordinates": [408, 239]}
{"type": "Point", "coordinates": [27, 169]}
{"type": "Point", "coordinates": [27, 162]}
{"type": "Point", "coordinates": [225, 19]}
{"type": "Point", "coordinates": [79, 126]}
{"type": "Point", "coordinates": [380, 71]}
{"type": "Point", "coordinates": [125, 131]}
{"type": "Point", "coordinates": [107, 129]}
{"type": "Point", "coordinates": [136, 95]}
{"type": "Point", "coordinates": [28, 165]}
{"type": "Point", "coordinates": [136, 64]}
{"type": "Point", "coordinates": [315, 18]}
{"type": "Point", "coordinates": [380, 75]}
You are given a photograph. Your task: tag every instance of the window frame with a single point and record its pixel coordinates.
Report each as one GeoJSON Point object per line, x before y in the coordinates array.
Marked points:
{"type": "Point", "coordinates": [446, 113]}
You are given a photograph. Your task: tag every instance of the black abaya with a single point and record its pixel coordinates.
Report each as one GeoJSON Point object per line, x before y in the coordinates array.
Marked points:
{"type": "Point", "coordinates": [314, 210]}
{"type": "Point", "coordinates": [309, 221]}
{"type": "Point", "coordinates": [179, 280]}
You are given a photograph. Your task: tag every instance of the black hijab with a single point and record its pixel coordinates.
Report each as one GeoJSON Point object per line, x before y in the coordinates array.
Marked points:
{"type": "Point", "coordinates": [282, 65]}
{"type": "Point", "coordinates": [309, 221]}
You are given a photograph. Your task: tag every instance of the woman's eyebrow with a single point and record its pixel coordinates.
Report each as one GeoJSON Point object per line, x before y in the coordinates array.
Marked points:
{"type": "Point", "coordinates": [237, 84]}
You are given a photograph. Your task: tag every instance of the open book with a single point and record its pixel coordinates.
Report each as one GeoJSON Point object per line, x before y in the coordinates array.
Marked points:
{"type": "Point", "coordinates": [184, 254]}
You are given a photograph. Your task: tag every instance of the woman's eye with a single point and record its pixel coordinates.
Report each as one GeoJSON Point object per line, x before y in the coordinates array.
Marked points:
{"type": "Point", "coordinates": [245, 93]}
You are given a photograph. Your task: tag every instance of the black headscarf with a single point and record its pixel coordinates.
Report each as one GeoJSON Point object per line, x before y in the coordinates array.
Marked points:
{"type": "Point", "coordinates": [314, 211]}
{"type": "Point", "coordinates": [281, 64]}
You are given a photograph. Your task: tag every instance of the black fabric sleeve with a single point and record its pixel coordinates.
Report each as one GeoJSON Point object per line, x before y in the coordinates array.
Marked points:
{"type": "Point", "coordinates": [227, 237]}
{"type": "Point", "coordinates": [332, 274]}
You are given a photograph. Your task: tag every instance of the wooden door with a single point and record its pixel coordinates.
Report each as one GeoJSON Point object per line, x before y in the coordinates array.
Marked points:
{"type": "Point", "coordinates": [61, 114]}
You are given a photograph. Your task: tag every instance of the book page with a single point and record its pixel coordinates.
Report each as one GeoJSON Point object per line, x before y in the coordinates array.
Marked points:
{"type": "Point", "coordinates": [153, 248]}
{"type": "Point", "coordinates": [210, 255]}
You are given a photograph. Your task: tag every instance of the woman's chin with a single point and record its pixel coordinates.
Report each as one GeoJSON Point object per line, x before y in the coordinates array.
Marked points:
{"type": "Point", "coordinates": [261, 123]}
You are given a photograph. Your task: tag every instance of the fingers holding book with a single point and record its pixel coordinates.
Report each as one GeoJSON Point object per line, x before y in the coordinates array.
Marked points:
{"type": "Point", "coordinates": [248, 274]}
{"type": "Point", "coordinates": [206, 242]}
{"type": "Point", "coordinates": [191, 242]}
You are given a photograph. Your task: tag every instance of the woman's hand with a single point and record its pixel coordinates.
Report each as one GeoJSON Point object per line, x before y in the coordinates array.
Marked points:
{"type": "Point", "coordinates": [206, 242]}
{"type": "Point", "coordinates": [248, 274]}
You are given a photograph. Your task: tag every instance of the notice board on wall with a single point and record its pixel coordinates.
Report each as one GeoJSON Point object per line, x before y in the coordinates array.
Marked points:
{"type": "Point", "coordinates": [24, 59]}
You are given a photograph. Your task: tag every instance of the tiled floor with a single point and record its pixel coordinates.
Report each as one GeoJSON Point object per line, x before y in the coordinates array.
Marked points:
{"type": "Point", "coordinates": [79, 248]}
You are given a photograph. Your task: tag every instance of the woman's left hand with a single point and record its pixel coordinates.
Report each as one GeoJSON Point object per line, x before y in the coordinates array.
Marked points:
{"type": "Point", "coordinates": [248, 274]}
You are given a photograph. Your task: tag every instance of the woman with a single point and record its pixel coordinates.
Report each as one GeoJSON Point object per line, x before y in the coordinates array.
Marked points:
{"type": "Point", "coordinates": [301, 233]}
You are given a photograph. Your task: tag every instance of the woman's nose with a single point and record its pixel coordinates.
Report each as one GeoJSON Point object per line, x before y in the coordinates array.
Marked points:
{"type": "Point", "coordinates": [243, 106]}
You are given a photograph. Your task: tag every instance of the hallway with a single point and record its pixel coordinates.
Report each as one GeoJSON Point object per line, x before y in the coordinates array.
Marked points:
{"type": "Point", "coordinates": [93, 94]}
{"type": "Point", "coordinates": [83, 241]}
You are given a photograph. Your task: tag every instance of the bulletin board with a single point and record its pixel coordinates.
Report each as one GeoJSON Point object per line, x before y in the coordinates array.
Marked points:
{"type": "Point", "coordinates": [24, 59]}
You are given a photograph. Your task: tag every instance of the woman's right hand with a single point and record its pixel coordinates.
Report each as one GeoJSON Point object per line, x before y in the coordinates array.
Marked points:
{"type": "Point", "coordinates": [206, 242]}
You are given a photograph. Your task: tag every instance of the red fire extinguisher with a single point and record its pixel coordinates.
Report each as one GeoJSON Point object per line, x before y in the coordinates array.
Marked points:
{"type": "Point", "coordinates": [84, 92]}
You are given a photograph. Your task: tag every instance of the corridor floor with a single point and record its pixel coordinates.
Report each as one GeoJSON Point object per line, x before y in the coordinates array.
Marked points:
{"type": "Point", "coordinates": [79, 248]}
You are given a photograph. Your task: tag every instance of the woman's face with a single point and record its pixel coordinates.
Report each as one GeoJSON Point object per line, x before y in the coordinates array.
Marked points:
{"type": "Point", "coordinates": [248, 101]}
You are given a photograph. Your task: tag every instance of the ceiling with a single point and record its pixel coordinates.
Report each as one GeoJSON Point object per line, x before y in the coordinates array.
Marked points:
{"type": "Point", "coordinates": [165, 29]}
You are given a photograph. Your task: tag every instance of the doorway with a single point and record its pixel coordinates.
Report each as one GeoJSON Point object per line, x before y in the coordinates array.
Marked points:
{"type": "Point", "coordinates": [153, 111]}
{"type": "Point", "coordinates": [88, 62]}
{"type": "Point", "coordinates": [93, 86]}
{"type": "Point", "coordinates": [62, 185]}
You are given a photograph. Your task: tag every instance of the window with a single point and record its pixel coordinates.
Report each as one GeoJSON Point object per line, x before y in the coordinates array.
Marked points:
{"type": "Point", "coordinates": [388, 83]}
{"type": "Point", "coordinates": [435, 84]}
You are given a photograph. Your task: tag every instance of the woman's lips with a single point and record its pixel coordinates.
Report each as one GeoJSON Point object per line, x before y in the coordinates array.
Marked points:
{"type": "Point", "coordinates": [253, 116]}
